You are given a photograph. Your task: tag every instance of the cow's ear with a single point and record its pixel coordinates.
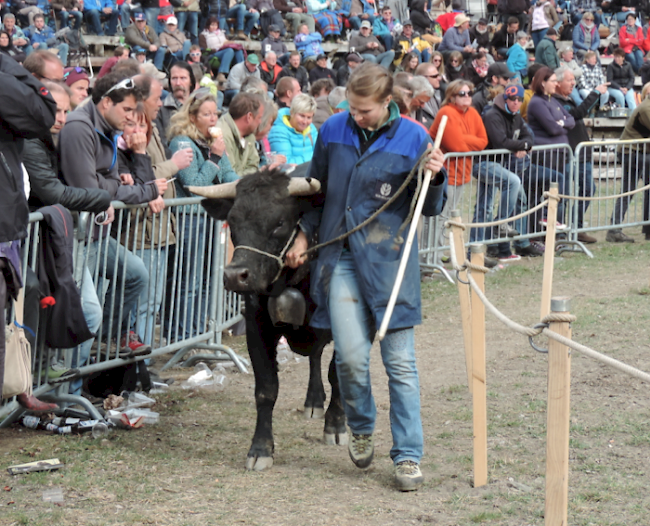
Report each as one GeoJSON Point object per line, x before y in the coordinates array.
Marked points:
{"type": "Point", "coordinates": [218, 208]}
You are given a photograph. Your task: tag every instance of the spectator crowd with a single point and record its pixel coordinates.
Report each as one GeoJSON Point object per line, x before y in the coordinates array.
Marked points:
{"type": "Point", "coordinates": [175, 107]}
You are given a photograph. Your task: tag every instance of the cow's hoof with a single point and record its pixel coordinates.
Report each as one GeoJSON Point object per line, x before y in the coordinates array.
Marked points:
{"type": "Point", "coordinates": [314, 412]}
{"type": "Point", "coordinates": [334, 439]}
{"type": "Point", "coordinates": [258, 463]}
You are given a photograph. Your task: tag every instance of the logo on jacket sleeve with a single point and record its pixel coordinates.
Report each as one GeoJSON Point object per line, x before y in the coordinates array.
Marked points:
{"type": "Point", "coordinates": [383, 190]}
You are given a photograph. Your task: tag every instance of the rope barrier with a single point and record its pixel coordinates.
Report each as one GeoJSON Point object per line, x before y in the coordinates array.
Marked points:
{"type": "Point", "coordinates": [603, 198]}
{"type": "Point", "coordinates": [540, 328]}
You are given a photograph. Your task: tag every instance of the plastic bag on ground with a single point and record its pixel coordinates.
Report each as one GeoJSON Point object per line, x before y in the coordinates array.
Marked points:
{"type": "Point", "coordinates": [204, 378]}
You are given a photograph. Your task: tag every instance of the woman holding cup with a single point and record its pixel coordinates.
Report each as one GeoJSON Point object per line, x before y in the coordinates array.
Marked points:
{"type": "Point", "coordinates": [194, 127]}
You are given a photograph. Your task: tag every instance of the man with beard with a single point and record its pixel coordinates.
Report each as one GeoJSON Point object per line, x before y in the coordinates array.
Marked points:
{"type": "Point", "coordinates": [182, 83]}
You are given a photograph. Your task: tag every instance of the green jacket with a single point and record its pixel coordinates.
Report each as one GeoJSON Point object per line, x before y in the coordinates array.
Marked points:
{"type": "Point", "coordinates": [546, 53]}
{"type": "Point", "coordinates": [244, 159]}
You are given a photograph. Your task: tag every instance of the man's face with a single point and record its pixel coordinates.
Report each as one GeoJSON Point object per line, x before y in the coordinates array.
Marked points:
{"type": "Point", "coordinates": [250, 67]}
{"type": "Point", "coordinates": [304, 30]}
{"type": "Point", "coordinates": [365, 31]}
{"type": "Point", "coordinates": [514, 103]}
{"type": "Point", "coordinates": [154, 102]}
{"type": "Point", "coordinates": [254, 121]}
{"type": "Point", "coordinates": [39, 22]}
{"type": "Point", "coordinates": [565, 87]}
{"type": "Point", "coordinates": [180, 83]}
{"type": "Point", "coordinates": [592, 60]}
{"type": "Point", "coordinates": [274, 34]}
{"type": "Point", "coordinates": [433, 76]}
{"type": "Point", "coordinates": [140, 24]}
{"type": "Point", "coordinates": [62, 109]}
{"type": "Point", "coordinates": [118, 114]}
{"type": "Point", "coordinates": [271, 60]}
{"type": "Point", "coordinates": [482, 28]}
{"type": "Point", "coordinates": [294, 61]}
{"type": "Point", "coordinates": [513, 28]}
{"type": "Point", "coordinates": [322, 63]}
{"type": "Point", "coordinates": [295, 89]}
{"type": "Point", "coordinates": [353, 64]}
{"type": "Point", "coordinates": [501, 81]}
{"type": "Point", "coordinates": [464, 27]}
{"type": "Point", "coordinates": [387, 14]}
{"type": "Point", "coordinates": [619, 59]}
{"type": "Point", "coordinates": [407, 31]}
{"type": "Point", "coordinates": [10, 23]}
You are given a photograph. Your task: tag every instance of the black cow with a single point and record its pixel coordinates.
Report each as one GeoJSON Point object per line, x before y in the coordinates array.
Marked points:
{"type": "Point", "coordinates": [263, 215]}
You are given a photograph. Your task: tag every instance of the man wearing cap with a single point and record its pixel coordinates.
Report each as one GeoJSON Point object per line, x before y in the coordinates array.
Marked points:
{"type": "Point", "coordinates": [343, 74]}
{"type": "Point", "coordinates": [140, 54]}
{"type": "Point", "coordinates": [295, 11]}
{"type": "Point", "coordinates": [497, 74]}
{"type": "Point", "coordinates": [410, 42]}
{"type": "Point", "coordinates": [174, 40]}
{"type": "Point", "coordinates": [546, 52]}
{"type": "Point", "coordinates": [96, 11]}
{"type": "Point", "coordinates": [457, 38]}
{"type": "Point", "coordinates": [369, 47]}
{"type": "Point", "coordinates": [507, 130]}
{"type": "Point", "coordinates": [320, 70]}
{"type": "Point", "coordinates": [239, 73]}
{"type": "Point", "coordinates": [273, 42]}
{"type": "Point", "coordinates": [139, 34]}
{"type": "Point", "coordinates": [295, 70]}
{"type": "Point", "coordinates": [77, 80]}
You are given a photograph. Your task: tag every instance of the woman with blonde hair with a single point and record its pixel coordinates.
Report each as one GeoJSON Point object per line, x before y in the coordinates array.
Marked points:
{"type": "Point", "coordinates": [294, 135]}
{"type": "Point", "coordinates": [193, 126]}
{"type": "Point", "coordinates": [362, 157]}
{"type": "Point", "coordinates": [439, 61]}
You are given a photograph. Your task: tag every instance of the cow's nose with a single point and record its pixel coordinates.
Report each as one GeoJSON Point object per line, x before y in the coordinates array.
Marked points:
{"type": "Point", "coordinates": [236, 278]}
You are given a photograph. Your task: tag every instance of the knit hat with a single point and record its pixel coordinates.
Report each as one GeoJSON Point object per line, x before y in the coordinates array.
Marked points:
{"type": "Point", "coordinates": [513, 90]}
{"type": "Point", "coordinates": [72, 75]}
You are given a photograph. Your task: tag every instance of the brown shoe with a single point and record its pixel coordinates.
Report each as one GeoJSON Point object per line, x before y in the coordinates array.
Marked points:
{"type": "Point", "coordinates": [583, 237]}
{"type": "Point", "coordinates": [241, 36]}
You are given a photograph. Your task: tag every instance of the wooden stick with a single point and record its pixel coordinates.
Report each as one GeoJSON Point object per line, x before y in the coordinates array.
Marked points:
{"type": "Point", "coordinates": [479, 387]}
{"type": "Point", "coordinates": [549, 252]}
{"type": "Point", "coordinates": [409, 239]}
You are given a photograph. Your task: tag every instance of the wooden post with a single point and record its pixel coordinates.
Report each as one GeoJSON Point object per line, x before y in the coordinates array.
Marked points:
{"type": "Point", "coordinates": [557, 424]}
{"type": "Point", "coordinates": [549, 252]}
{"type": "Point", "coordinates": [479, 391]}
{"type": "Point", "coordinates": [463, 296]}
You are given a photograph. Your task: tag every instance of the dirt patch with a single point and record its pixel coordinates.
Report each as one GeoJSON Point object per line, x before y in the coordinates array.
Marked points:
{"type": "Point", "coordinates": [188, 470]}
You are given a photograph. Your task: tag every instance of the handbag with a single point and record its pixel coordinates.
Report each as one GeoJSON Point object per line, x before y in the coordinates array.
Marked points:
{"type": "Point", "coordinates": [18, 355]}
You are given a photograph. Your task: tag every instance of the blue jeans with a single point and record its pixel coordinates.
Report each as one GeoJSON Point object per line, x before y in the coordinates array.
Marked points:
{"type": "Point", "coordinates": [355, 21]}
{"type": "Point", "coordinates": [240, 14]}
{"type": "Point", "coordinates": [130, 275]}
{"type": "Point", "coordinates": [158, 57]}
{"type": "Point", "coordinates": [621, 99]}
{"type": "Point", "coordinates": [64, 18]}
{"type": "Point", "coordinates": [423, 56]}
{"type": "Point", "coordinates": [152, 19]}
{"type": "Point", "coordinates": [192, 19]}
{"type": "Point", "coordinates": [586, 188]}
{"type": "Point", "coordinates": [225, 56]}
{"type": "Point", "coordinates": [538, 36]}
{"type": "Point", "coordinates": [93, 314]}
{"type": "Point", "coordinates": [384, 59]}
{"type": "Point", "coordinates": [491, 176]}
{"type": "Point", "coordinates": [387, 40]}
{"type": "Point", "coordinates": [182, 53]}
{"type": "Point", "coordinates": [635, 59]}
{"type": "Point", "coordinates": [575, 95]}
{"type": "Point", "coordinates": [353, 329]}
{"type": "Point", "coordinates": [537, 178]}
{"type": "Point", "coordinates": [94, 19]}
{"type": "Point", "coordinates": [151, 298]}
{"type": "Point", "coordinates": [604, 97]}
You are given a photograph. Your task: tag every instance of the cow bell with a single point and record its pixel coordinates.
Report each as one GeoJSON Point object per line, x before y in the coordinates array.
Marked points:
{"type": "Point", "coordinates": [288, 308]}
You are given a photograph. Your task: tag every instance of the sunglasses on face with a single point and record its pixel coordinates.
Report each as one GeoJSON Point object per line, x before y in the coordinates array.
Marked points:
{"type": "Point", "coordinates": [432, 76]}
{"type": "Point", "coordinates": [517, 99]}
{"type": "Point", "coordinates": [465, 93]}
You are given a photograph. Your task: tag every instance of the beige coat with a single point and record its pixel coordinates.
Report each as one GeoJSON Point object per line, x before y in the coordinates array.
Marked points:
{"type": "Point", "coordinates": [243, 159]}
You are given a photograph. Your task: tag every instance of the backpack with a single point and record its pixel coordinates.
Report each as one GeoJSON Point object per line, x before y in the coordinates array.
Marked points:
{"type": "Point", "coordinates": [567, 31]}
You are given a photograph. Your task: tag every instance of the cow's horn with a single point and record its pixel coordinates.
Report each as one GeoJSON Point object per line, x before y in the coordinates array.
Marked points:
{"type": "Point", "coordinates": [303, 186]}
{"type": "Point", "coordinates": [223, 191]}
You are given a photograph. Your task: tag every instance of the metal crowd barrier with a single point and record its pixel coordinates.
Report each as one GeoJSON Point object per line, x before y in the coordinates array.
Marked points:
{"type": "Point", "coordinates": [479, 199]}
{"type": "Point", "coordinates": [178, 257]}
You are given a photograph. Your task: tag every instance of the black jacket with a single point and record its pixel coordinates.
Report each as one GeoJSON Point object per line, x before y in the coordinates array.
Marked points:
{"type": "Point", "coordinates": [482, 39]}
{"type": "Point", "coordinates": [506, 130]}
{"type": "Point", "coordinates": [318, 73]}
{"type": "Point", "coordinates": [300, 74]}
{"type": "Point", "coordinates": [27, 111]}
{"type": "Point", "coordinates": [65, 324]}
{"type": "Point", "coordinates": [503, 39]}
{"type": "Point", "coordinates": [579, 133]}
{"type": "Point", "coordinates": [620, 76]}
{"type": "Point", "coordinates": [513, 7]}
{"type": "Point", "coordinates": [42, 165]}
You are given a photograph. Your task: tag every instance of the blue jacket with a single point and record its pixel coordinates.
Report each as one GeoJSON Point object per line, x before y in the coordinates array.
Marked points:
{"type": "Point", "coordinates": [517, 58]}
{"type": "Point", "coordinates": [355, 186]}
{"type": "Point", "coordinates": [309, 45]}
{"type": "Point", "coordinates": [44, 36]}
{"type": "Point", "coordinates": [202, 172]}
{"type": "Point", "coordinates": [579, 38]}
{"type": "Point", "coordinates": [98, 4]}
{"type": "Point", "coordinates": [453, 40]}
{"type": "Point", "coordinates": [285, 140]}
{"type": "Point", "coordinates": [380, 28]}
{"type": "Point", "coordinates": [346, 5]}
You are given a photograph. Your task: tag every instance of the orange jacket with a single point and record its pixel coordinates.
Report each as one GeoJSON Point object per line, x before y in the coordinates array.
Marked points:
{"type": "Point", "coordinates": [464, 133]}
